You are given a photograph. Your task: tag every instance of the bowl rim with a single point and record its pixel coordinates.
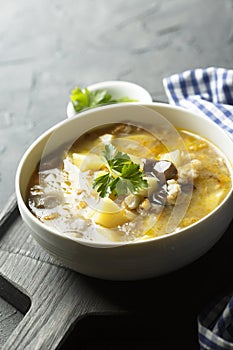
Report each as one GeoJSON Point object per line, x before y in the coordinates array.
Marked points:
{"type": "Point", "coordinates": [94, 244]}
{"type": "Point", "coordinates": [118, 83]}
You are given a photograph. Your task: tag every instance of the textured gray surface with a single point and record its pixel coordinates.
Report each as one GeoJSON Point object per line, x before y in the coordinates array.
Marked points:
{"type": "Point", "coordinates": [46, 47]}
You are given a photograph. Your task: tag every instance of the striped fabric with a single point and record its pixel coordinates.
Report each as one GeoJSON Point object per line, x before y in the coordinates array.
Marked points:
{"type": "Point", "coordinates": [215, 325]}
{"type": "Point", "coordinates": [209, 92]}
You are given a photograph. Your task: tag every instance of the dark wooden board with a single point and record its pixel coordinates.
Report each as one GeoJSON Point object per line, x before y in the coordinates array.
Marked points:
{"type": "Point", "coordinates": [46, 49]}
{"type": "Point", "coordinates": [67, 308]}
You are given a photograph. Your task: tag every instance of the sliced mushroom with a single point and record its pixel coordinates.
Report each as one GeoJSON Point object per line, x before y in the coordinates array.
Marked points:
{"type": "Point", "coordinates": [159, 197]}
{"type": "Point", "coordinates": [167, 168]}
{"type": "Point", "coordinates": [163, 169]}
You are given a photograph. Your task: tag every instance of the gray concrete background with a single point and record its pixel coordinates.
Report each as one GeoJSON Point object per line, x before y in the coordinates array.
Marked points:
{"type": "Point", "coordinates": [47, 47]}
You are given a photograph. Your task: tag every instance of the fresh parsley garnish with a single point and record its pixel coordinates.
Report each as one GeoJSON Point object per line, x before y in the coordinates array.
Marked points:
{"type": "Point", "coordinates": [84, 99]}
{"type": "Point", "coordinates": [123, 174]}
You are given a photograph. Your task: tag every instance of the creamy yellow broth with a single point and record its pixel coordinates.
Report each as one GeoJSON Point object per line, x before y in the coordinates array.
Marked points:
{"type": "Point", "coordinates": [61, 193]}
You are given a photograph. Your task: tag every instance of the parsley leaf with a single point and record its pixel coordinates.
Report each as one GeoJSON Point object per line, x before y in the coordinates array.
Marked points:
{"type": "Point", "coordinates": [123, 175]}
{"type": "Point", "coordinates": [79, 99]}
{"type": "Point", "coordinates": [105, 184]}
{"type": "Point", "coordinates": [84, 99]}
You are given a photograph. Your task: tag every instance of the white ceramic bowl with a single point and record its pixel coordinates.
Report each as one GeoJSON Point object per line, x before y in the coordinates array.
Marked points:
{"type": "Point", "coordinates": [117, 89]}
{"type": "Point", "coordinates": [136, 260]}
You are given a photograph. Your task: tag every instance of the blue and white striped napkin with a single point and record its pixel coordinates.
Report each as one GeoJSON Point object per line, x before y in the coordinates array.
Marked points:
{"type": "Point", "coordinates": [209, 92]}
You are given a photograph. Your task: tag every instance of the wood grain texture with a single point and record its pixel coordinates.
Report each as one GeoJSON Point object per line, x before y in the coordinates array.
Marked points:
{"type": "Point", "coordinates": [60, 297]}
{"type": "Point", "coordinates": [57, 296]}
{"type": "Point", "coordinates": [41, 59]}
{"type": "Point", "coordinates": [9, 319]}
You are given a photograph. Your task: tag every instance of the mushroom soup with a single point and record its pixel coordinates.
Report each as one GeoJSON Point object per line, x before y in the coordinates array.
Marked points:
{"type": "Point", "coordinates": [123, 182]}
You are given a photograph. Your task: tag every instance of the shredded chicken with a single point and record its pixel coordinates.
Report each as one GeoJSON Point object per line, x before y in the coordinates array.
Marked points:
{"type": "Point", "coordinates": [132, 201]}
{"type": "Point", "coordinates": [173, 189]}
{"type": "Point", "coordinates": [145, 204]}
{"type": "Point", "coordinates": [189, 171]}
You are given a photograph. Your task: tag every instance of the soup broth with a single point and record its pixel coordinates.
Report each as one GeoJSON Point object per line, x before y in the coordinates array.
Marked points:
{"type": "Point", "coordinates": [160, 190]}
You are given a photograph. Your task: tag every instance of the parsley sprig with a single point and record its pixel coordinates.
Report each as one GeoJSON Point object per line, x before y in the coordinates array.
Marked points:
{"type": "Point", "coordinates": [84, 99]}
{"type": "Point", "coordinates": [123, 176]}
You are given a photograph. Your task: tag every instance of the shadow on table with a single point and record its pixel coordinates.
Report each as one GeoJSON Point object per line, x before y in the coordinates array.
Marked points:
{"type": "Point", "coordinates": [14, 304]}
{"type": "Point", "coordinates": [155, 313]}
{"type": "Point", "coordinates": [111, 332]}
